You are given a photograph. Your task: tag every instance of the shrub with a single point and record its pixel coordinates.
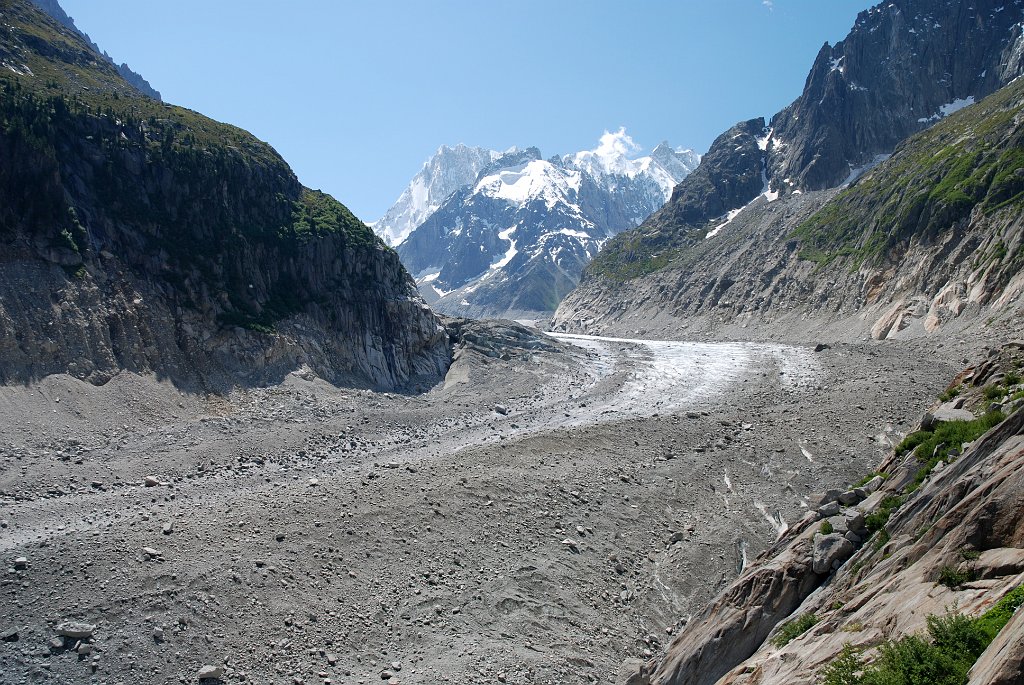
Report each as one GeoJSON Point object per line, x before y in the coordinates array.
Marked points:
{"type": "Point", "coordinates": [1012, 378]}
{"type": "Point", "coordinates": [911, 441]}
{"type": "Point", "coordinates": [993, 620]}
{"type": "Point", "coordinates": [790, 630]}
{"type": "Point", "coordinates": [943, 656]}
{"type": "Point", "coordinates": [953, 577]}
{"type": "Point", "coordinates": [935, 446]}
{"type": "Point", "coordinates": [877, 519]}
{"type": "Point", "coordinates": [826, 528]}
{"type": "Point", "coordinates": [950, 393]}
{"type": "Point", "coordinates": [994, 392]}
{"type": "Point", "coordinates": [845, 669]}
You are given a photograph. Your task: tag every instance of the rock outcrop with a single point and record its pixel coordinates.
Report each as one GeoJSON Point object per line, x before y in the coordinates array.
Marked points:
{"type": "Point", "coordinates": [144, 237]}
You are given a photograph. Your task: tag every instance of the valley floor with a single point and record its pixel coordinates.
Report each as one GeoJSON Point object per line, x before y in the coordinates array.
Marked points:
{"type": "Point", "coordinates": [305, 533]}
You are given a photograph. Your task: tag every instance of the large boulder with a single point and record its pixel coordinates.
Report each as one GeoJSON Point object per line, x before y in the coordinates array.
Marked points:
{"type": "Point", "coordinates": [829, 549]}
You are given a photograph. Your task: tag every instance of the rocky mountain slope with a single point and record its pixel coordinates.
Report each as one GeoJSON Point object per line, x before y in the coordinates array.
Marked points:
{"type": "Point", "coordinates": [728, 254]}
{"type": "Point", "coordinates": [513, 241]}
{"type": "Point", "coordinates": [141, 236]}
{"type": "Point", "coordinates": [917, 570]}
{"type": "Point", "coordinates": [53, 8]}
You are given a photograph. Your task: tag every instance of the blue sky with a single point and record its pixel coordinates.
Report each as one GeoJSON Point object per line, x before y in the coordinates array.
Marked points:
{"type": "Point", "coordinates": [357, 95]}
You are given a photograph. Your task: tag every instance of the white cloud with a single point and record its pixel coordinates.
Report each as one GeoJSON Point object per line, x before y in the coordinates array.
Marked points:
{"type": "Point", "coordinates": [618, 144]}
{"type": "Point", "coordinates": [770, 4]}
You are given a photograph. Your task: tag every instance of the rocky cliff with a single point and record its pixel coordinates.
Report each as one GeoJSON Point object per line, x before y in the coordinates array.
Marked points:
{"type": "Point", "coordinates": [919, 569]}
{"type": "Point", "coordinates": [730, 254]}
{"type": "Point", "coordinates": [141, 236]}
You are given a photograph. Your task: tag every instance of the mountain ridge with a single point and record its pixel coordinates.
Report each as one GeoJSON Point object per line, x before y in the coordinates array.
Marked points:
{"type": "Point", "coordinates": [513, 241]}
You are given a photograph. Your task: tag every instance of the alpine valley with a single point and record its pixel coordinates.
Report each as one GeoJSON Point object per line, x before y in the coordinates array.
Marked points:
{"type": "Point", "coordinates": [773, 433]}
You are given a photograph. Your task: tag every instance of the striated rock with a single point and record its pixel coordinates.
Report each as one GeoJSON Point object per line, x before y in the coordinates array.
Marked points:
{"type": "Point", "coordinates": [977, 502]}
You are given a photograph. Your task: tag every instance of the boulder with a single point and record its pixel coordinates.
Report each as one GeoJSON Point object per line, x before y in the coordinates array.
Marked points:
{"type": "Point", "coordinates": [849, 497]}
{"type": "Point", "coordinates": [829, 549]}
{"type": "Point", "coordinates": [872, 485]}
{"type": "Point", "coordinates": [76, 630]}
{"type": "Point", "coordinates": [210, 672]}
{"type": "Point", "coordinates": [830, 509]}
{"type": "Point", "coordinates": [945, 412]}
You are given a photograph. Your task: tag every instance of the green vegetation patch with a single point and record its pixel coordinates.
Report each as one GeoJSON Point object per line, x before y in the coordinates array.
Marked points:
{"type": "Point", "coordinates": [876, 520]}
{"type": "Point", "coordinates": [790, 630]}
{"type": "Point", "coordinates": [974, 158]}
{"type": "Point", "coordinates": [931, 447]}
{"type": "Point", "coordinates": [942, 656]}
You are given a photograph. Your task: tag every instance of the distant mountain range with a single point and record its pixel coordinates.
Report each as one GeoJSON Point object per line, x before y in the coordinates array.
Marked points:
{"type": "Point", "coordinates": [507, 234]}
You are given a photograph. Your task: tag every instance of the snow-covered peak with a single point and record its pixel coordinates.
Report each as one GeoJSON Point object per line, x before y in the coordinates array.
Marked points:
{"type": "Point", "coordinates": [448, 170]}
{"type": "Point", "coordinates": [534, 180]}
{"type": "Point", "coordinates": [615, 156]}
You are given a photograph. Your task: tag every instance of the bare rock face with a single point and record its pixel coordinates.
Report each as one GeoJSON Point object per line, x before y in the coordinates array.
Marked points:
{"type": "Point", "coordinates": [896, 254]}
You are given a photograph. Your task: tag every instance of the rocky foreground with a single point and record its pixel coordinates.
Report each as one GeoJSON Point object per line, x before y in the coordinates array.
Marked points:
{"type": "Point", "coordinates": [540, 516]}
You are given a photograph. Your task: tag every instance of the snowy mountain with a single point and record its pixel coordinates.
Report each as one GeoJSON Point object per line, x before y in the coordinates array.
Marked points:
{"type": "Point", "coordinates": [448, 170]}
{"type": "Point", "coordinates": [513, 240]}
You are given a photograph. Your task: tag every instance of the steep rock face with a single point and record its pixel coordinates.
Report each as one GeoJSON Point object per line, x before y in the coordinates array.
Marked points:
{"type": "Point", "coordinates": [514, 241]}
{"type": "Point", "coordinates": [145, 237]}
{"type": "Point", "coordinates": [965, 516]}
{"type": "Point", "coordinates": [450, 169]}
{"type": "Point", "coordinates": [729, 176]}
{"type": "Point", "coordinates": [925, 237]}
{"type": "Point", "coordinates": [904, 65]}
{"type": "Point", "coordinates": [719, 268]}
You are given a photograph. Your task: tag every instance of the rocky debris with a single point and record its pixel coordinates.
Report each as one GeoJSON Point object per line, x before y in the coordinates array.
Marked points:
{"type": "Point", "coordinates": [501, 409]}
{"type": "Point", "coordinates": [151, 482]}
{"type": "Point", "coordinates": [20, 564]}
{"type": "Point", "coordinates": [9, 635]}
{"type": "Point", "coordinates": [367, 565]}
